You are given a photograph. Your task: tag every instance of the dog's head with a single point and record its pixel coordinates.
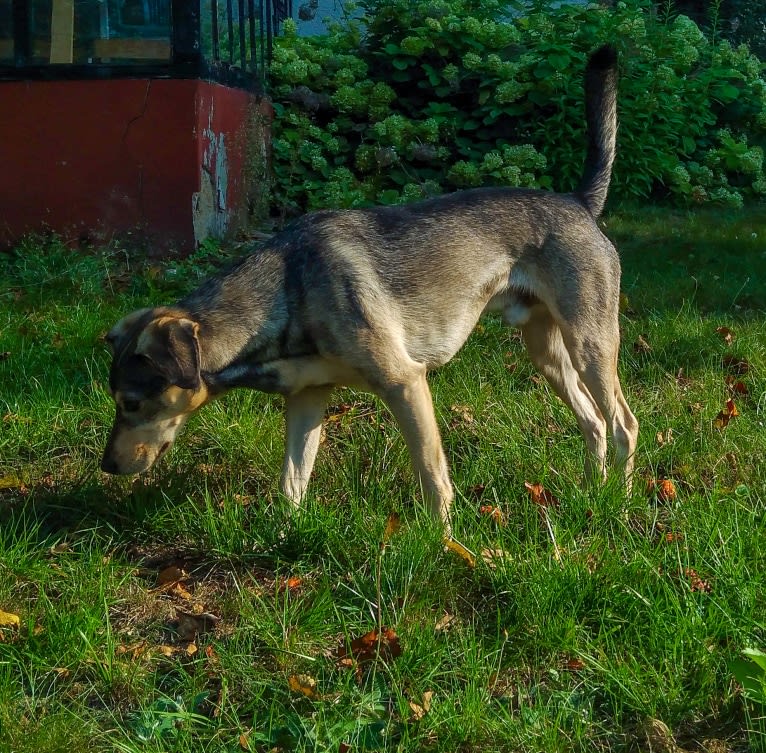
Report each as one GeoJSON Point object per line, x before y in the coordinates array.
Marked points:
{"type": "Point", "coordinates": [156, 385]}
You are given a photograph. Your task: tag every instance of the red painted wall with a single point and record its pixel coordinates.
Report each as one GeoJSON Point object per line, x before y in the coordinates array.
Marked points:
{"type": "Point", "coordinates": [93, 159]}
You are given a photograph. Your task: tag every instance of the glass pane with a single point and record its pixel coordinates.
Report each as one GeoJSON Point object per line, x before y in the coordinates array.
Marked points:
{"type": "Point", "coordinates": [6, 32]}
{"type": "Point", "coordinates": [132, 31]}
{"type": "Point", "coordinates": [99, 31]}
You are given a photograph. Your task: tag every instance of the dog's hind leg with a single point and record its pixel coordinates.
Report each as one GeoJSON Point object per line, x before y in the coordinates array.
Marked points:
{"type": "Point", "coordinates": [411, 403]}
{"type": "Point", "coordinates": [546, 348]}
{"type": "Point", "coordinates": [594, 354]}
{"type": "Point", "coordinates": [303, 428]}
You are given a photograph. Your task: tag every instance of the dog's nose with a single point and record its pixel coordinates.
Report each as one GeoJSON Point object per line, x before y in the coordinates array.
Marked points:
{"type": "Point", "coordinates": [109, 465]}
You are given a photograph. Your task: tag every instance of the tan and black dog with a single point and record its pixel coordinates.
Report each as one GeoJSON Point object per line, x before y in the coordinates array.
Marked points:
{"type": "Point", "coordinates": [374, 298]}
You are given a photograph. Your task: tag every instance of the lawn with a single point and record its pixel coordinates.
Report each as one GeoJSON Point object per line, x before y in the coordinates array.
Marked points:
{"type": "Point", "coordinates": [188, 611]}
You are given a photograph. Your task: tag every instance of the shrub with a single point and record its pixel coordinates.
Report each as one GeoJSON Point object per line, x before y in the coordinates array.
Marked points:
{"type": "Point", "coordinates": [415, 98]}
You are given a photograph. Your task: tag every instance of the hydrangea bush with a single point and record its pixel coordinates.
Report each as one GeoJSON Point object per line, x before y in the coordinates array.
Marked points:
{"type": "Point", "coordinates": [411, 99]}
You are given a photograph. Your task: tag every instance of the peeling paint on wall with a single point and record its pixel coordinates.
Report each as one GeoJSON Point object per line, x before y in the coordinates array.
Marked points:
{"type": "Point", "coordinates": [210, 210]}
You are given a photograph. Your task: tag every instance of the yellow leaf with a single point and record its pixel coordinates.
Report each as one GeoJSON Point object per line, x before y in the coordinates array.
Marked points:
{"type": "Point", "coordinates": [393, 524]}
{"type": "Point", "coordinates": [9, 620]}
{"type": "Point", "coordinates": [10, 481]}
{"type": "Point", "coordinates": [457, 548]}
{"type": "Point", "coordinates": [303, 684]}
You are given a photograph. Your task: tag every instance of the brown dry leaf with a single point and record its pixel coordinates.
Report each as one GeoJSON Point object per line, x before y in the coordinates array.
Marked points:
{"type": "Point", "coordinates": [244, 741]}
{"type": "Point", "coordinates": [462, 415]}
{"type": "Point", "coordinates": [453, 545]}
{"type": "Point", "coordinates": [444, 623]}
{"type": "Point", "coordinates": [178, 589]}
{"type": "Point", "coordinates": [191, 649]}
{"type": "Point", "coordinates": [729, 411]}
{"type": "Point", "coordinates": [393, 525]}
{"type": "Point", "coordinates": [664, 490]}
{"type": "Point", "coordinates": [695, 582]}
{"type": "Point", "coordinates": [671, 537]}
{"type": "Point", "coordinates": [344, 748]}
{"type": "Point", "coordinates": [641, 345]}
{"type": "Point", "coordinates": [135, 650]}
{"type": "Point", "coordinates": [726, 334]}
{"type": "Point", "coordinates": [491, 557]}
{"type": "Point", "coordinates": [304, 685]}
{"type": "Point", "coordinates": [166, 650]}
{"type": "Point", "coordinates": [8, 619]}
{"type": "Point", "coordinates": [736, 365]}
{"type": "Point", "coordinates": [658, 738]}
{"type": "Point", "coordinates": [294, 583]}
{"type": "Point", "coordinates": [191, 625]}
{"type": "Point", "coordinates": [574, 664]}
{"type": "Point", "coordinates": [736, 386]}
{"type": "Point", "coordinates": [370, 646]}
{"type": "Point", "coordinates": [541, 496]}
{"type": "Point", "coordinates": [665, 438]}
{"type": "Point", "coordinates": [170, 575]}
{"type": "Point", "coordinates": [335, 412]}
{"type": "Point", "coordinates": [493, 513]}
{"type": "Point", "coordinates": [419, 710]}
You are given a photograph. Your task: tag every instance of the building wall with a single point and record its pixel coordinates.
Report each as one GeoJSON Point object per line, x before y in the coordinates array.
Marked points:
{"type": "Point", "coordinates": [166, 160]}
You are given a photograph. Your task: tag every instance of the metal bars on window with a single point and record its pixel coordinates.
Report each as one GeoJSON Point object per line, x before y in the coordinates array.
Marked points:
{"type": "Point", "coordinates": [225, 40]}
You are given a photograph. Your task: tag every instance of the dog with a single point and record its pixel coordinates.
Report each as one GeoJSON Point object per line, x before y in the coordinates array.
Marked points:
{"type": "Point", "coordinates": [375, 298]}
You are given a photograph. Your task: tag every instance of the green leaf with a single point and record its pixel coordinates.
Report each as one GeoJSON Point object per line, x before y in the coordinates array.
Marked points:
{"type": "Point", "coordinates": [403, 63]}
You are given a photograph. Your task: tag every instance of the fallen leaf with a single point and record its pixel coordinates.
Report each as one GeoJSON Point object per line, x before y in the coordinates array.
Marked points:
{"type": "Point", "coordinates": [736, 365]}
{"type": "Point", "coordinates": [491, 557]}
{"type": "Point", "coordinates": [191, 625]}
{"type": "Point", "coordinates": [244, 741]}
{"type": "Point", "coordinates": [11, 481]}
{"type": "Point", "coordinates": [664, 490]}
{"type": "Point", "coordinates": [8, 619]}
{"type": "Point", "coordinates": [294, 583]}
{"type": "Point", "coordinates": [641, 345]}
{"type": "Point", "coordinates": [726, 334]}
{"type": "Point", "coordinates": [574, 664]}
{"type": "Point", "coordinates": [695, 582]}
{"type": "Point", "coordinates": [462, 415]}
{"type": "Point", "coordinates": [418, 712]}
{"type": "Point", "coordinates": [444, 623]}
{"type": "Point", "coordinates": [303, 684]}
{"type": "Point", "coordinates": [370, 646]}
{"type": "Point", "coordinates": [729, 411]}
{"type": "Point", "coordinates": [170, 575]}
{"type": "Point", "coordinates": [671, 537]}
{"type": "Point", "coordinates": [335, 412]}
{"type": "Point", "coordinates": [736, 386]}
{"type": "Point", "coordinates": [541, 496]}
{"type": "Point", "coordinates": [493, 513]}
{"type": "Point", "coordinates": [465, 554]}
{"type": "Point", "coordinates": [665, 438]}
{"type": "Point", "coordinates": [393, 524]}
{"type": "Point", "coordinates": [344, 748]}
{"type": "Point", "coordinates": [657, 737]}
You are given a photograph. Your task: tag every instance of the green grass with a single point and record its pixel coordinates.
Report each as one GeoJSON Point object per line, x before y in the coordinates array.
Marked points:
{"type": "Point", "coordinates": [622, 642]}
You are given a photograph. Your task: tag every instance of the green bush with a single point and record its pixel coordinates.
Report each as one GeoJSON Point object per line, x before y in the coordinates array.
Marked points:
{"type": "Point", "coordinates": [416, 98]}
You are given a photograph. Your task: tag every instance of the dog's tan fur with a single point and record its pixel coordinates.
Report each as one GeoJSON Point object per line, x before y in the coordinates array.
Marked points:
{"type": "Point", "coordinates": [375, 298]}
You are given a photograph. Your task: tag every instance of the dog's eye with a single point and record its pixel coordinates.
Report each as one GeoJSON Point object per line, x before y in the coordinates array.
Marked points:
{"type": "Point", "coordinates": [130, 406]}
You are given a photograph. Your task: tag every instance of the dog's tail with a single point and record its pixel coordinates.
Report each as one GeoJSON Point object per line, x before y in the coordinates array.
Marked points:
{"type": "Point", "coordinates": [601, 119]}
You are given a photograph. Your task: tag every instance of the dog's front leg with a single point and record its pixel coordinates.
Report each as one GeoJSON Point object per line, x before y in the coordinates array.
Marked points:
{"type": "Point", "coordinates": [412, 405]}
{"type": "Point", "coordinates": [303, 428]}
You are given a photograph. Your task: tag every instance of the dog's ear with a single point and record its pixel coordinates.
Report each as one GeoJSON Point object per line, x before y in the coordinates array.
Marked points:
{"type": "Point", "coordinates": [119, 335]}
{"type": "Point", "coordinates": [172, 346]}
